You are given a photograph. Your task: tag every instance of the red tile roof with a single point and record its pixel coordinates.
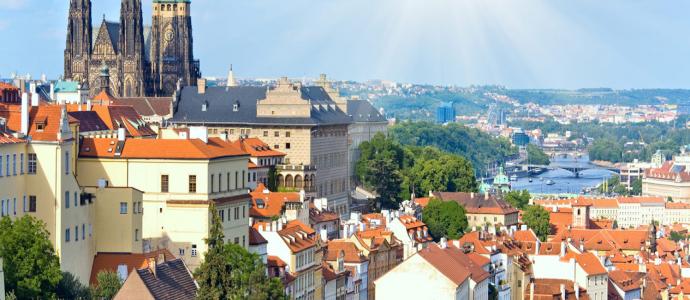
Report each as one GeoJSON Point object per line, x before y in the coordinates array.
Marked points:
{"type": "Point", "coordinates": [297, 236]}
{"type": "Point", "coordinates": [159, 149]}
{"type": "Point", "coordinates": [255, 237]}
{"type": "Point", "coordinates": [110, 261]}
{"type": "Point", "coordinates": [257, 148]}
{"type": "Point", "coordinates": [348, 248]}
{"type": "Point", "coordinates": [48, 115]}
{"type": "Point", "coordinates": [273, 202]}
{"type": "Point", "coordinates": [475, 203]}
{"type": "Point", "coordinates": [8, 138]}
{"type": "Point", "coordinates": [453, 263]}
{"type": "Point", "coordinates": [147, 106]}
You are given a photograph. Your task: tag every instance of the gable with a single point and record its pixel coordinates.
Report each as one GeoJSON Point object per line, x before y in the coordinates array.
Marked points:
{"type": "Point", "coordinates": [107, 39]}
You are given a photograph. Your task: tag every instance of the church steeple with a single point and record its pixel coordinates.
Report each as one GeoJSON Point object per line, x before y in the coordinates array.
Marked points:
{"type": "Point", "coordinates": [131, 45]}
{"type": "Point", "coordinates": [78, 49]}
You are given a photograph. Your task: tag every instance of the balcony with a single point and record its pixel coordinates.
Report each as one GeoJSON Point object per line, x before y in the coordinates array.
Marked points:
{"type": "Point", "coordinates": [304, 168]}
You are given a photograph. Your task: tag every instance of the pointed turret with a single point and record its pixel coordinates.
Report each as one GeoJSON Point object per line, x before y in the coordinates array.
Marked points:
{"type": "Point", "coordinates": [231, 78]}
{"type": "Point", "coordinates": [78, 41]}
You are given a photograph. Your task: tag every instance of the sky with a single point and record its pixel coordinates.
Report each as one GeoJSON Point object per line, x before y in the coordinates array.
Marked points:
{"type": "Point", "coordinates": [518, 44]}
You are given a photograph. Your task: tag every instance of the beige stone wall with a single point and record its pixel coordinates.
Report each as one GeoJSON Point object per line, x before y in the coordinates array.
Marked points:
{"type": "Point", "coordinates": [474, 220]}
{"type": "Point", "coordinates": [330, 155]}
{"type": "Point", "coordinates": [114, 231]}
{"type": "Point", "coordinates": [679, 191]}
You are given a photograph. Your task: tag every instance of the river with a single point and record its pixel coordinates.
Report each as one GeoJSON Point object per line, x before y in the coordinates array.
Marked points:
{"type": "Point", "coordinates": [564, 181]}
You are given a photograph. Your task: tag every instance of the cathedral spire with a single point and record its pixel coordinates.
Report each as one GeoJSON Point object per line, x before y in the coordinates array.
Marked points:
{"type": "Point", "coordinates": [231, 78]}
{"type": "Point", "coordinates": [78, 41]}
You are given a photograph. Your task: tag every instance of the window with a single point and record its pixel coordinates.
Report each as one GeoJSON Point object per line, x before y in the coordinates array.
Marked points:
{"type": "Point", "coordinates": [219, 181]}
{"type": "Point", "coordinates": [236, 177]}
{"type": "Point", "coordinates": [227, 178]}
{"type": "Point", "coordinates": [276, 134]}
{"type": "Point", "coordinates": [67, 163]}
{"type": "Point", "coordinates": [136, 234]}
{"type": "Point", "coordinates": [265, 133]}
{"type": "Point", "coordinates": [14, 206]}
{"type": "Point", "coordinates": [76, 201]}
{"type": "Point", "coordinates": [237, 241]}
{"type": "Point", "coordinates": [287, 145]}
{"type": "Point", "coordinates": [181, 251]}
{"type": "Point", "coordinates": [24, 207]}
{"type": "Point", "coordinates": [83, 231]}
{"type": "Point", "coordinates": [276, 146]}
{"type": "Point", "coordinates": [192, 183]}
{"type": "Point", "coordinates": [244, 240]}
{"type": "Point", "coordinates": [7, 165]}
{"type": "Point", "coordinates": [90, 230]}
{"type": "Point", "coordinates": [14, 164]}
{"type": "Point", "coordinates": [221, 213]}
{"type": "Point", "coordinates": [67, 235]}
{"type": "Point", "coordinates": [237, 213]}
{"type": "Point", "coordinates": [123, 208]}
{"type": "Point", "coordinates": [193, 250]}
{"type": "Point", "coordinates": [76, 233]}
{"type": "Point", "coordinates": [32, 163]}
{"type": "Point", "coordinates": [66, 199]}
{"type": "Point", "coordinates": [212, 176]}
{"type": "Point", "coordinates": [243, 181]}
{"type": "Point", "coordinates": [32, 203]}
{"type": "Point", "coordinates": [21, 163]}
{"type": "Point", "coordinates": [244, 209]}
{"type": "Point", "coordinates": [287, 134]}
{"type": "Point", "coordinates": [164, 183]}
{"type": "Point", "coordinates": [0, 165]}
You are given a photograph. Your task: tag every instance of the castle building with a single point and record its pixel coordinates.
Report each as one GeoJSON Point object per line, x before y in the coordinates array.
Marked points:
{"type": "Point", "coordinates": [142, 61]}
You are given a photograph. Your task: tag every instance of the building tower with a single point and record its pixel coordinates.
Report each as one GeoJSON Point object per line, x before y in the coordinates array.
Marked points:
{"type": "Point", "coordinates": [104, 79]}
{"type": "Point", "coordinates": [172, 56]}
{"type": "Point", "coordinates": [651, 238]}
{"type": "Point", "coordinates": [131, 45]}
{"type": "Point", "coordinates": [78, 44]}
{"type": "Point", "coordinates": [581, 210]}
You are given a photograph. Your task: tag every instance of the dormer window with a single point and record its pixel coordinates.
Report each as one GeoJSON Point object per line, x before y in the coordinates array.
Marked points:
{"type": "Point", "coordinates": [40, 126]}
{"type": "Point", "coordinates": [236, 106]}
{"type": "Point", "coordinates": [204, 106]}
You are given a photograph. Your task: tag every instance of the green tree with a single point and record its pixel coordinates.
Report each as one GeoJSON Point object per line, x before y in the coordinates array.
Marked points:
{"type": "Point", "coordinates": [537, 218]}
{"type": "Point", "coordinates": [536, 156]}
{"type": "Point", "coordinates": [386, 179]}
{"type": "Point", "coordinates": [32, 270]}
{"type": "Point", "coordinates": [108, 284]}
{"type": "Point", "coordinates": [637, 187]}
{"type": "Point", "coordinates": [69, 287]}
{"type": "Point", "coordinates": [231, 272]}
{"type": "Point", "coordinates": [272, 179]}
{"type": "Point", "coordinates": [677, 236]}
{"type": "Point", "coordinates": [435, 170]}
{"type": "Point", "coordinates": [518, 199]}
{"type": "Point", "coordinates": [445, 219]}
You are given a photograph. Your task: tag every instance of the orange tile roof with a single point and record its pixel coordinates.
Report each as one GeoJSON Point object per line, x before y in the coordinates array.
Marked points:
{"type": "Point", "coordinates": [549, 289]}
{"type": "Point", "coordinates": [297, 237]}
{"type": "Point", "coordinates": [119, 116]}
{"type": "Point", "coordinates": [348, 248]}
{"type": "Point", "coordinates": [641, 200]}
{"type": "Point", "coordinates": [525, 236]}
{"type": "Point", "coordinates": [110, 261]}
{"type": "Point", "coordinates": [603, 239]}
{"type": "Point", "coordinates": [605, 203]}
{"type": "Point", "coordinates": [8, 138]}
{"type": "Point", "coordinates": [103, 97]}
{"type": "Point", "coordinates": [475, 203]}
{"type": "Point", "coordinates": [275, 261]}
{"type": "Point", "coordinates": [677, 205]}
{"type": "Point", "coordinates": [587, 261]}
{"type": "Point", "coordinates": [274, 202]}
{"type": "Point", "coordinates": [159, 149]}
{"type": "Point", "coordinates": [423, 202]}
{"type": "Point", "coordinates": [255, 237]}
{"type": "Point", "coordinates": [49, 115]}
{"type": "Point", "coordinates": [454, 264]}
{"type": "Point", "coordinates": [257, 148]}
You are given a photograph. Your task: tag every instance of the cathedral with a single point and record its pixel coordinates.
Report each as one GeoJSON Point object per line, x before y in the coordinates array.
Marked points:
{"type": "Point", "coordinates": [142, 60]}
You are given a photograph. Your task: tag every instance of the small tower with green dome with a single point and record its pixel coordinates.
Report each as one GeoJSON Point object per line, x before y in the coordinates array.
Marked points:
{"type": "Point", "coordinates": [501, 182]}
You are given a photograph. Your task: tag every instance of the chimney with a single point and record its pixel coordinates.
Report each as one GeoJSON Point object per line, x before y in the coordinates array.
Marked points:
{"type": "Point", "coordinates": [34, 99]}
{"type": "Point", "coordinates": [563, 248]}
{"type": "Point", "coordinates": [121, 134]}
{"type": "Point", "coordinates": [25, 114]}
{"type": "Point", "coordinates": [577, 291]}
{"type": "Point", "coordinates": [161, 258]}
{"type": "Point", "coordinates": [32, 87]}
{"type": "Point", "coordinates": [152, 266]}
{"type": "Point", "coordinates": [201, 85]}
{"type": "Point", "coordinates": [52, 91]}
{"type": "Point", "coordinates": [486, 196]}
{"type": "Point", "coordinates": [443, 243]}
{"type": "Point", "coordinates": [88, 105]}
{"type": "Point", "coordinates": [302, 195]}
{"type": "Point", "coordinates": [531, 290]}
{"type": "Point", "coordinates": [324, 234]}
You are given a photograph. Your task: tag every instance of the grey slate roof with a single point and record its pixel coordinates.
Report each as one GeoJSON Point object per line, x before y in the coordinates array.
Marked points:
{"type": "Point", "coordinates": [88, 121]}
{"type": "Point", "coordinates": [220, 101]}
{"type": "Point", "coordinates": [172, 281]}
{"type": "Point", "coordinates": [362, 111]}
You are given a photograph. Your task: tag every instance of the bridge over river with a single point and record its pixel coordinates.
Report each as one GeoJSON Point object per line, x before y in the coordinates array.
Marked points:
{"type": "Point", "coordinates": [574, 166]}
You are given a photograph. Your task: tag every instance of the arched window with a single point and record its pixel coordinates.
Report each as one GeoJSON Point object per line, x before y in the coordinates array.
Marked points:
{"type": "Point", "coordinates": [298, 182]}
{"type": "Point", "coordinates": [281, 182]}
{"type": "Point", "coordinates": [289, 181]}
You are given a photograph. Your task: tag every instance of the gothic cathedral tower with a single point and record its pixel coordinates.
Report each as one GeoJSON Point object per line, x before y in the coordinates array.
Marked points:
{"type": "Point", "coordinates": [78, 46]}
{"type": "Point", "coordinates": [172, 56]}
{"type": "Point", "coordinates": [132, 52]}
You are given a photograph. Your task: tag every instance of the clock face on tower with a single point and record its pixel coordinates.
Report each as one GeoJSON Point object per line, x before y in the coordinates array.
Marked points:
{"type": "Point", "coordinates": [169, 34]}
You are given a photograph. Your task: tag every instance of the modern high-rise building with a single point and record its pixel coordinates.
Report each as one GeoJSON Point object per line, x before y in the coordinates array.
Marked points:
{"type": "Point", "coordinates": [445, 113]}
{"type": "Point", "coordinates": [142, 61]}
